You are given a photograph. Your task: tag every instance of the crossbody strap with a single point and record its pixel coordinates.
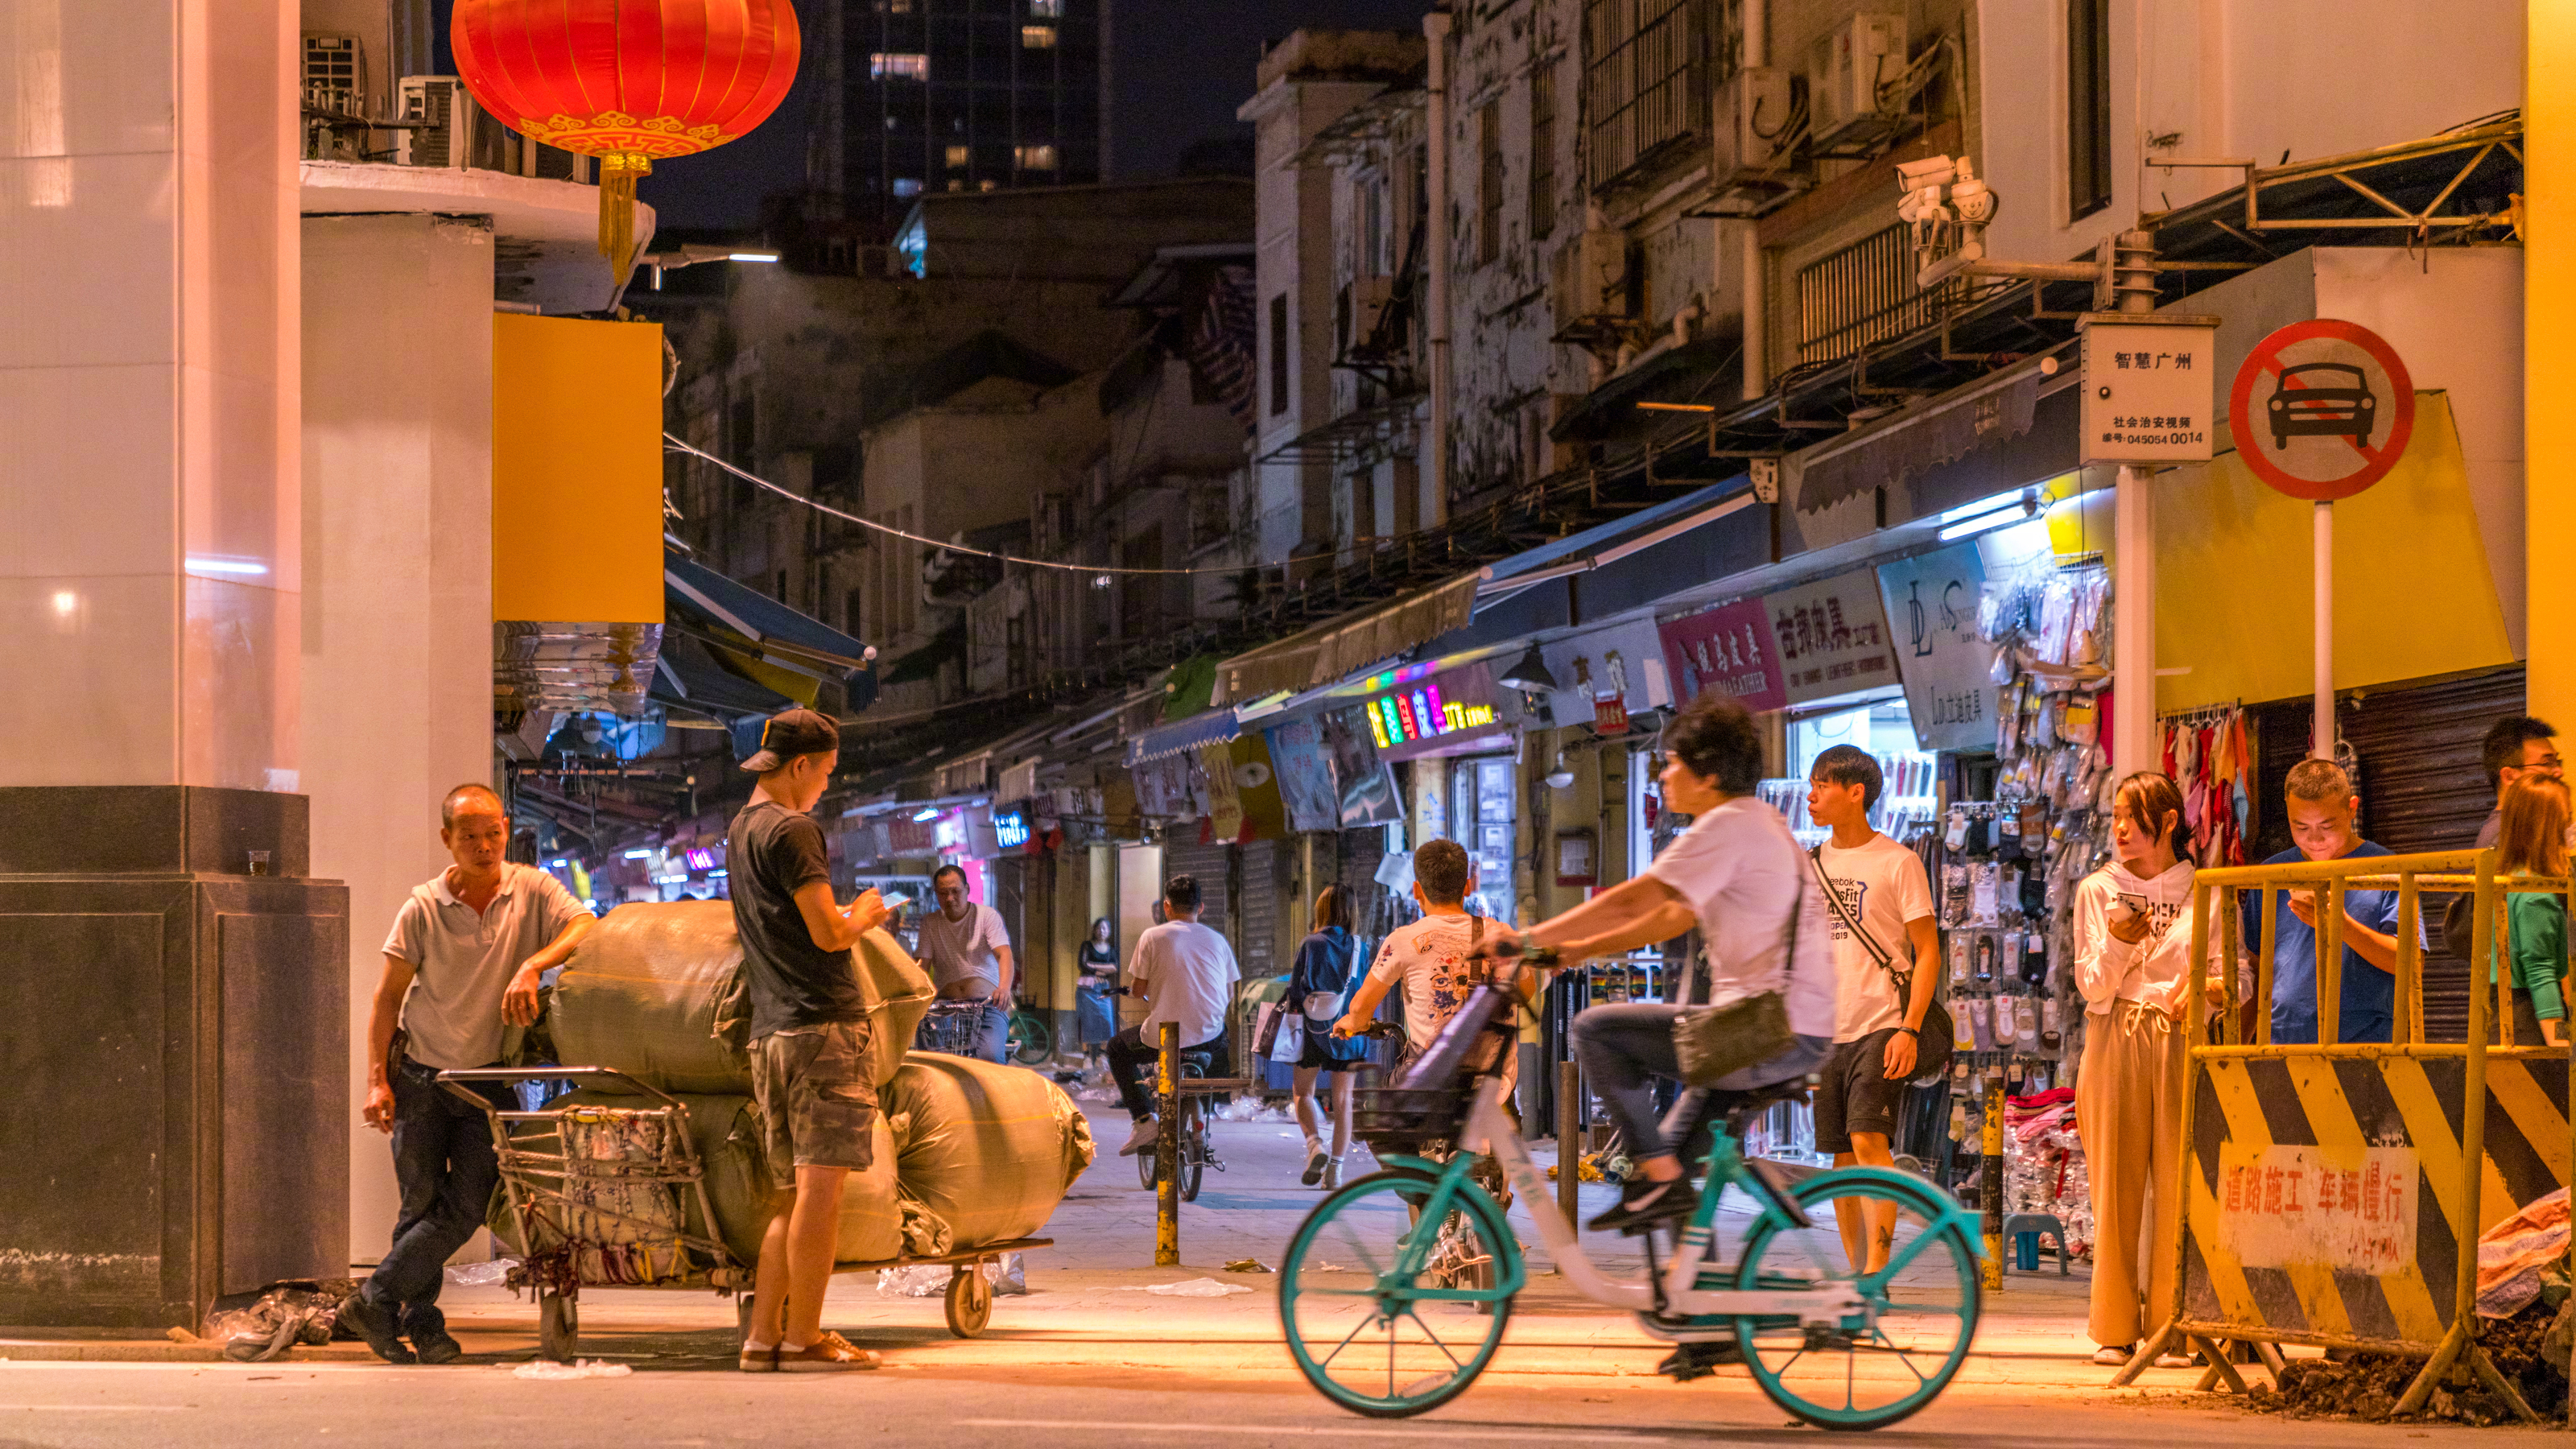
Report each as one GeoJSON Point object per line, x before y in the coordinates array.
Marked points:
{"type": "Point", "coordinates": [1851, 922]}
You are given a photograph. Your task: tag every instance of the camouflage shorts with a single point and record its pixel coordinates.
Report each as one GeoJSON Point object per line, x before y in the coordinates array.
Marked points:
{"type": "Point", "coordinates": [817, 1101]}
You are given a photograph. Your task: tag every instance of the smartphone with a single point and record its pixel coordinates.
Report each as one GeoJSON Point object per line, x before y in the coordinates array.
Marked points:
{"type": "Point", "coordinates": [894, 901]}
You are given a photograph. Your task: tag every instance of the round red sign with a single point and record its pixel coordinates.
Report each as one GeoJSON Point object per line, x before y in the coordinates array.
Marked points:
{"type": "Point", "coordinates": [2322, 409]}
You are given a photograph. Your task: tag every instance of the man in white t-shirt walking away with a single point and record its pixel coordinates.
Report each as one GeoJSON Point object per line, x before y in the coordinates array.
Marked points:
{"type": "Point", "coordinates": [1883, 930]}
{"type": "Point", "coordinates": [1429, 957]}
{"type": "Point", "coordinates": [1186, 971]}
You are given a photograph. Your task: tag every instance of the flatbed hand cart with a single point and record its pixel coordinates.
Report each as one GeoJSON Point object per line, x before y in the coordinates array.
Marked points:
{"type": "Point", "coordinates": [601, 1198]}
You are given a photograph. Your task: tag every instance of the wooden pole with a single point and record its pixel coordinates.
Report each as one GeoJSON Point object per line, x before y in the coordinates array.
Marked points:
{"type": "Point", "coordinates": [1167, 1149]}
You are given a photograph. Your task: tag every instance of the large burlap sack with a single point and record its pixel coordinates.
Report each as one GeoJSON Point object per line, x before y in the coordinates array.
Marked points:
{"type": "Point", "coordinates": [656, 991]}
{"type": "Point", "coordinates": [725, 1130]}
{"type": "Point", "coordinates": [988, 1150]}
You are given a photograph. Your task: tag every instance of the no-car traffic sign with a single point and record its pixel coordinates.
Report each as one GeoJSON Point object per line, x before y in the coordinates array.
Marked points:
{"type": "Point", "coordinates": [2322, 409]}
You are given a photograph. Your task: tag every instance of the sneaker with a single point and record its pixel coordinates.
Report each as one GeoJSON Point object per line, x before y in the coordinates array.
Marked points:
{"type": "Point", "coordinates": [1140, 1139]}
{"type": "Point", "coordinates": [829, 1354]}
{"type": "Point", "coordinates": [1316, 1158]}
{"type": "Point", "coordinates": [372, 1324]}
{"type": "Point", "coordinates": [757, 1360]}
{"type": "Point", "coordinates": [2113, 1355]}
{"type": "Point", "coordinates": [426, 1327]}
{"type": "Point", "coordinates": [1332, 1174]}
{"type": "Point", "coordinates": [1690, 1361]}
{"type": "Point", "coordinates": [1642, 1203]}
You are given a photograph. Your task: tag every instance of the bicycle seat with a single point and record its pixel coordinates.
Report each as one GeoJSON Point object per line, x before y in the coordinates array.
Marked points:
{"type": "Point", "coordinates": [1740, 1105]}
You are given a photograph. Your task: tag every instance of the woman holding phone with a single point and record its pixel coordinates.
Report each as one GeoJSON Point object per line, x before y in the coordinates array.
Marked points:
{"type": "Point", "coordinates": [2133, 969]}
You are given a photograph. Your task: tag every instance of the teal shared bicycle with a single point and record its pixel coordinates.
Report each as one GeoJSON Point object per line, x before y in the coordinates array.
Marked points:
{"type": "Point", "coordinates": [1395, 1291]}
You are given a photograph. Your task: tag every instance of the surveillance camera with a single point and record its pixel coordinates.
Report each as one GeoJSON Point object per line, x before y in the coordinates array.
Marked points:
{"type": "Point", "coordinates": [1930, 171]}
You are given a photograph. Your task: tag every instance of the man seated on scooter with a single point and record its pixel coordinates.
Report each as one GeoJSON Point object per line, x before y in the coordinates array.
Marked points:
{"type": "Point", "coordinates": [1739, 876]}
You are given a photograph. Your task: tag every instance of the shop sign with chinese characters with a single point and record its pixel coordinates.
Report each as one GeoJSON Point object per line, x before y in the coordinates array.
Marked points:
{"type": "Point", "coordinates": [1833, 637]}
{"type": "Point", "coordinates": [1729, 648]}
{"type": "Point", "coordinates": [2349, 1209]}
{"type": "Point", "coordinates": [2150, 387]}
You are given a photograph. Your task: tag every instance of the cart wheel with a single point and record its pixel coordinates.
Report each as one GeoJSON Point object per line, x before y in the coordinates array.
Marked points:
{"type": "Point", "coordinates": [558, 1328]}
{"type": "Point", "coordinates": [970, 1300]}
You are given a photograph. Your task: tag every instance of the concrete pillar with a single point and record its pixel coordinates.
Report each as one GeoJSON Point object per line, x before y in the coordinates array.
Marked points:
{"type": "Point", "coordinates": [2549, 310]}
{"type": "Point", "coordinates": [397, 637]}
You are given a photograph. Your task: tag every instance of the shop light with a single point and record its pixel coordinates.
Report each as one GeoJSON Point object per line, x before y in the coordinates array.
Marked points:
{"type": "Point", "coordinates": [1530, 676]}
{"type": "Point", "coordinates": [1989, 515]}
{"type": "Point", "coordinates": [925, 815]}
{"type": "Point", "coordinates": [639, 855]}
{"type": "Point", "coordinates": [241, 566]}
{"type": "Point", "coordinates": [751, 256]}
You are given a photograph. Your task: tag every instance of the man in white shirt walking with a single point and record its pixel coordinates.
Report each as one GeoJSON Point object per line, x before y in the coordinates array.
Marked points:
{"type": "Point", "coordinates": [1187, 972]}
{"type": "Point", "coordinates": [463, 959]}
{"type": "Point", "coordinates": [1884, 933]}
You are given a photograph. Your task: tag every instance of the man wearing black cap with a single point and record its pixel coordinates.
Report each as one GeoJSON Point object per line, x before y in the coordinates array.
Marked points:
{"type": "Point", "coordinates": [809, 1038]}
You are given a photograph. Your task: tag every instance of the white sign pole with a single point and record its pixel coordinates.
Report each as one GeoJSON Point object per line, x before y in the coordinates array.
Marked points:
{"type": "Point", "coordinates": [2136, 743]}
{"type": "Point", "coordinates": [2324, 729]}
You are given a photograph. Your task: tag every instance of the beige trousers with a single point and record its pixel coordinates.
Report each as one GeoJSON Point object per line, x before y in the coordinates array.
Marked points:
{"type": "Point", "coordinates": [2128, 1109]}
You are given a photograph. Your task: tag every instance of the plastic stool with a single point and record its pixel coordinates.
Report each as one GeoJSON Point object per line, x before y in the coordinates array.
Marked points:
{"type": "Point", "coordinates": [2026, 1231]}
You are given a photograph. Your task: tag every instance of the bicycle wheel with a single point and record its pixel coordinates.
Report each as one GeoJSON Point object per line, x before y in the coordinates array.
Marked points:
{"type": "Point", "coordinates": [1031, 1040]}
{"type": "Point", "coordinates": [1920, 1313]}
{"type": "Point", "coordinates": [1145, 1167]}
{"type": "Point", "coordinates": [1193, 1165]}
{"type": "Point", "coordinates": [1371, 1337]}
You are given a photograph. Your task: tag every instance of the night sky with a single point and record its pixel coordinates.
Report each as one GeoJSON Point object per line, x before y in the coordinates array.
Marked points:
{"type": "Point", "coordinates": [1179, 67]}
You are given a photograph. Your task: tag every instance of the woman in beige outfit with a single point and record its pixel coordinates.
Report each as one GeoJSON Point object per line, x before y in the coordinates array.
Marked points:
{"type": "Point", "coordinates": [2133, 968]}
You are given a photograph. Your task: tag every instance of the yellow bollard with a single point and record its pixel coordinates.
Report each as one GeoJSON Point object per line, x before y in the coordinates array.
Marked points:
{"type": "Point", "coordinates": [1167, 1149]}
{"type": "Point", "coordinates": [1991, 1182]}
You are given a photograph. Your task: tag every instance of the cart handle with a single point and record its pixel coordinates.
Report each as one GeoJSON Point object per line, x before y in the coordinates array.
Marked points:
{"type": "Point", "coordinates": [453, 1079]}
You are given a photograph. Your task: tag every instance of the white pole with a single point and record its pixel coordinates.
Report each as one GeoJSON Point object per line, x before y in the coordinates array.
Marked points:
{"type": "Point", "coordinates": [2324, 729]}
{"type": "Point", "coordinates": [2135, 744]}
{"type": "Point", "coordinates": [1435, 29]}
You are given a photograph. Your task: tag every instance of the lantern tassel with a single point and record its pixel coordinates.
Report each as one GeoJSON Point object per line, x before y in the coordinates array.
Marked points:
{"type": "Point", "coordinates": [617, 177]}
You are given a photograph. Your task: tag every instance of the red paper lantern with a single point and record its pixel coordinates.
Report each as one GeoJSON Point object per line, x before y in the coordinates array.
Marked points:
{"type": "Point", "coordinates": [630, 82]}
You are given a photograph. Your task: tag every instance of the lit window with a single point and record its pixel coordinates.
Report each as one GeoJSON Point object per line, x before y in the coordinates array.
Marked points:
{"type": "Point", "coordinates": [907, 186]}
{"type": "Point", "coordinates": [1037, 37]}
{"type": "Point", "coordinates": [988, 184]}
{"type": "Point", "coordinates": [1034, 158]}
{"type": "Point", "coordinates": [1047, 9]}
{"type": "Point", "coordinates": [960, 155]}
{"type": "Point", "coordinates": [898, 64]}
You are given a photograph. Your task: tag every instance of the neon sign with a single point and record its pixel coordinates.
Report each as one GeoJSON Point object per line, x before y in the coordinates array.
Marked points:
{"type": "Point", "coordinates": [1010, 829]}
{"type": "Point", "coordinates": [1407, 717]}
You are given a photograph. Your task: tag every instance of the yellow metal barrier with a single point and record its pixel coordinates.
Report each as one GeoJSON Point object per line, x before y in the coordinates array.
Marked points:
{"type": "Point", "coordinates": [2334, 1193]}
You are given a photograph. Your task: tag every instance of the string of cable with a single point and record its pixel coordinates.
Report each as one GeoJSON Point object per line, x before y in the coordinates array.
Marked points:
{"type": "Point", "coordinates": [676, 446]}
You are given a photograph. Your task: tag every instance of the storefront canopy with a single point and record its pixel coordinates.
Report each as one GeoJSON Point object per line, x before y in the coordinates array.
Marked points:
{"type": "Point", "coordinates": [763, 640]}
{"type": "Point", "coordinates": [1214, 727]}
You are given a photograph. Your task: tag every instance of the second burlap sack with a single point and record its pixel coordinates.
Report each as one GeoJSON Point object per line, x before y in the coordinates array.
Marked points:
{"type": "Point", "coordinates": [987, 1150]}
{"type": "Point", "coordinates": [657, 991]}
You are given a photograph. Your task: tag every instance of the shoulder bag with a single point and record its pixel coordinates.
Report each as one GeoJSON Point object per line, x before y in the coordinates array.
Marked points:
{"type": "Point", "coordinates": [1934, 1043]}
{"type": "Point", "coordinates": [1714, 1042]}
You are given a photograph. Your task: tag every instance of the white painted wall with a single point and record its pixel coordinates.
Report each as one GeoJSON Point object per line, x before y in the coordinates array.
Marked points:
{"type": "Point", "coordinates": [397, 604]}
{"type": "Point", "coordinates": [2314, 78]}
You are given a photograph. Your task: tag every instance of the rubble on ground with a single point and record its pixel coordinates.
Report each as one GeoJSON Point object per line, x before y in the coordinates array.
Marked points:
{"type": "Point", "coordinates": [2530, 1349]}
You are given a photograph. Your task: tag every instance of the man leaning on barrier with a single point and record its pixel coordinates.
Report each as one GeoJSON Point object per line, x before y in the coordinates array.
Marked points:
{"type": "Point", "coordinates": [2322, 809]}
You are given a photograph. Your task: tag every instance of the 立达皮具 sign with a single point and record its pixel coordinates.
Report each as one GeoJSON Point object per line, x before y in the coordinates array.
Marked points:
{"type": "Point", "coordinates": [2149, 386]}
{"type": "Point", "coordinates": [1932, 612]}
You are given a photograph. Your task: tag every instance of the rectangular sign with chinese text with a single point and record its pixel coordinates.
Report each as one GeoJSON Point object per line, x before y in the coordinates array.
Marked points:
{"type": "Point", "coordinates": [2150, 389]}
{"type": "Point", "coordinates": [1949, 686]}
{"type": "Point", "coordinates": [2351, 1210]}
{"type": "Point", "coordinates": [1729, 648]}
{"type": "Point", "coordinates": [1833, 637]}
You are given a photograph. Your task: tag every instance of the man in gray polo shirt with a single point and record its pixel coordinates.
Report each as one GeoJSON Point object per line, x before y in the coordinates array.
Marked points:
{"type": "Point", "coordinates": [463, 959]}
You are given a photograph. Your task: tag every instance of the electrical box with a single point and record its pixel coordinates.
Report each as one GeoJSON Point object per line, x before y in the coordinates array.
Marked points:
{"type": "Point", "coordinates": [1589, 282]}
{"type": "Point", "coordinates": [450, 112]}
{"type": "Point", "coordinates": [1846, 69]}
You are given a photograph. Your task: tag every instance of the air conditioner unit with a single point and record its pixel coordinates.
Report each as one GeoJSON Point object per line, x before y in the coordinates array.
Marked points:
{"type": "Point", "coordinates": [453, 117]}
{"type": "Point", "coordinates": [1751, 126]}
{"type": "Point", "coordinates": [1589, 283]}
{"type": "Point", "coordinates": [335, 73]}
{"type": "Point", "coordinates": [1846, 67]}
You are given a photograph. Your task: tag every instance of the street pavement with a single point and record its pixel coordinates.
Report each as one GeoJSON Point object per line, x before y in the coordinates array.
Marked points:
{"type": "Point", "coordinates": [1084, 1357]}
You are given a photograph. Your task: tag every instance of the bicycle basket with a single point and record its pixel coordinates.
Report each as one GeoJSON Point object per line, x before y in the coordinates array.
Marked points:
{"type": "Point", "coordinates": [1402, 1119]}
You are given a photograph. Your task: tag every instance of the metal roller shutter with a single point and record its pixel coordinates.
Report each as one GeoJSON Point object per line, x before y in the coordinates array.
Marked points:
{"type": "Point", "coordinates": [2422, 789]}
{"type": "Point", "coordinates": [1183, 855]}
{"type": "Point", "coordinates": [1257, 909]}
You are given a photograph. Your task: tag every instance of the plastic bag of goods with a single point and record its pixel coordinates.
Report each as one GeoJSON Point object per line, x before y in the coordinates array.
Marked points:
{"type": "Point", "coordinates": [725, 1131]}
{"type": "Point", "coordinates": [988, 1150]}
{"type": "Point", "coordinates": [657, 991]}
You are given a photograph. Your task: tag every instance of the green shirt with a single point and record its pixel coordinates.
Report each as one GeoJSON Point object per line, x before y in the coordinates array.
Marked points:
{"type": "Point", "coordinates": [2539, 937]}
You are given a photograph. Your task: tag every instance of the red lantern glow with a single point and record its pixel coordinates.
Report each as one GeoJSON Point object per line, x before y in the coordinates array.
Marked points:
{"type": "Point", "coordinates": [630, 82]}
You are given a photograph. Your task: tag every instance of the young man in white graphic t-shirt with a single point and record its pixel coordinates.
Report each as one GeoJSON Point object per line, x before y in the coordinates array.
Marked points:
{"type": "Point", "coordinates": [1880, 887]}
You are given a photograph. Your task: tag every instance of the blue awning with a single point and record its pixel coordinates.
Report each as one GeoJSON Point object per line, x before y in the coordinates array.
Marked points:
{"type": "Point", "coordinates": [1212, 728]}
{"type": "Point", "coordinates": [796, 641]}
{"type": "Point", "coordinates": [687, 675]}
{"type": "Point", "coordinates": [1576, 546]}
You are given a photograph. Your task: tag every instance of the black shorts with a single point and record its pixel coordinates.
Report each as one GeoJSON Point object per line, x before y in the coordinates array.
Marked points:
{"type": "Point", "coordinates": [1854, 1094]}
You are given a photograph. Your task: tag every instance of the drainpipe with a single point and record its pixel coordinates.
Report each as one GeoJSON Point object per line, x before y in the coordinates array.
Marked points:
{"type": "Point", "coordinates": [1748, 232]}
{"type": "Point", "coordinates": [2134, 741]}
{"type": "Point", "coordinates": [1435, 27]}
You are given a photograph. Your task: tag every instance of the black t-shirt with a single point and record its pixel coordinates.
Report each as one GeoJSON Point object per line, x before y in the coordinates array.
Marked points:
{"type": "Point", "coordinates": [1099, 963]}
{"type": "Point", "coordinates": [774, 852]}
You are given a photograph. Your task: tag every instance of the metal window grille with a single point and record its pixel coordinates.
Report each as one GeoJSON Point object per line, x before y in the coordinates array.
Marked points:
{"type": "Point", "coordinates": [1859, 295]}
{"type": "Point", "coordinates": [1489, 183]}
{"type": "Point", "coordinates": [1542, 187]}
{"type": "Point", "coordinates": [1639, 82]}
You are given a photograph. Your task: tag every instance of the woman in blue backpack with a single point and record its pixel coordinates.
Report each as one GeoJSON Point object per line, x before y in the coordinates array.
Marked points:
{"type": "Point", "coordinates": [1319, 987]}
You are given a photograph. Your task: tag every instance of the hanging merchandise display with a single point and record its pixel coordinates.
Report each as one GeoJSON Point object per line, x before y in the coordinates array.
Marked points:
{"type": "Point", "coordinates": [2044, 1169]}
{"type": "Point", "coordinates": [2210, 755]}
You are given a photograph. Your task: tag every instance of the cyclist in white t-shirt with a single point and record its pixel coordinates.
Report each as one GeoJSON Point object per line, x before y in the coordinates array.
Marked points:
{"type": "Point", "coordinates": [1739, 876]}
{"type": "Point", "coordinates": [1883, 929]}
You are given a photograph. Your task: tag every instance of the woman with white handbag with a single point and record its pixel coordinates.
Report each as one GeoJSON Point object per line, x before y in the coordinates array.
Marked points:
{"type": "Point", "coordinates": [1319, 987]}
